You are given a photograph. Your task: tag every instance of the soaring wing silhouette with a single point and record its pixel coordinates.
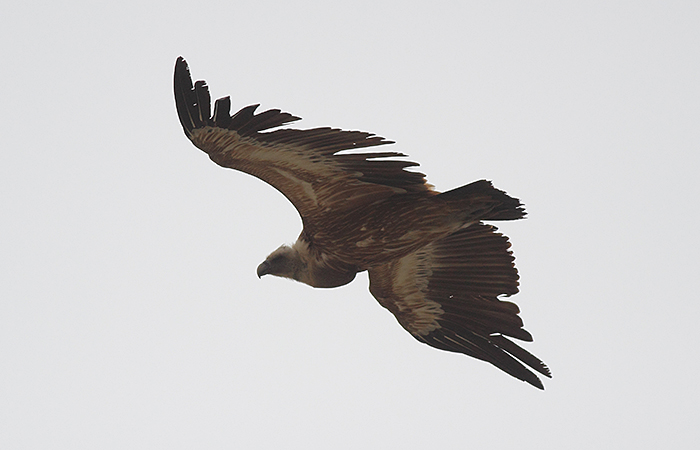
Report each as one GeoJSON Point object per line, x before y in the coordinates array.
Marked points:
{"type": "Point", "coordinates": [432, 262]}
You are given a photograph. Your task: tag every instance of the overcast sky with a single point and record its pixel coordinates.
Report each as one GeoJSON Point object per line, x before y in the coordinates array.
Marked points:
{"type": "Point", "coordinates": [130, 312]}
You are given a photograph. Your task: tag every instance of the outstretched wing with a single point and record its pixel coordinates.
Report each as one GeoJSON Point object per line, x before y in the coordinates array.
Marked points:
{"type": "Point", "coordinates": [446, 295]}
{"type": "Point", "coordinates": [302, 164]}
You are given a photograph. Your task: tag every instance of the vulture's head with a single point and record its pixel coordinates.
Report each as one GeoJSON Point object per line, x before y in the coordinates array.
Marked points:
{"type": "Point", "coordinates": [284, 262]}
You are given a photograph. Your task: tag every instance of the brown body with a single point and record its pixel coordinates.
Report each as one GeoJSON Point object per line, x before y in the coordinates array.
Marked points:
{"type": "Point", "coordinates": [384, 230]}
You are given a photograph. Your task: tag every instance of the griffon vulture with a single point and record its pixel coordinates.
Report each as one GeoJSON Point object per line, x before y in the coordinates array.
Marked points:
{"type": "Point", "coordinates": [432, 261]}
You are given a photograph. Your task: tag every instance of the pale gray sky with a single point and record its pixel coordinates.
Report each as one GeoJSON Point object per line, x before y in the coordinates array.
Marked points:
{"type": "Point", "coordinates": [130, 313]}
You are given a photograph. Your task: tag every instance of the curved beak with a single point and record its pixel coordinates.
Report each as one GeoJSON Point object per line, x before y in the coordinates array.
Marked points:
{"type": "Point", "coordinates": [263, 269]}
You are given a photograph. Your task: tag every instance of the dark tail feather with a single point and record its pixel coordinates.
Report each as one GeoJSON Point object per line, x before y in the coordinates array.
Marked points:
{"type": "Point", "coordinates": [502, 206]}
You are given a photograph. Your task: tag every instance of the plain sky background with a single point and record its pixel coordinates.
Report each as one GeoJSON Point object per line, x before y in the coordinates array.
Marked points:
{"type": "Point", "coordinates": [130, 313]}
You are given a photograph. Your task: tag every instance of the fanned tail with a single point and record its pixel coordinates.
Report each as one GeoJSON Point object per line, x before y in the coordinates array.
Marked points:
{"type": "Point", "coordinates": [497, 205]}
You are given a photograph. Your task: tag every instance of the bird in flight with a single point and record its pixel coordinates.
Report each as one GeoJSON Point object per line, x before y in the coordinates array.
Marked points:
{"type": "Point", "coordinates": [431, 259]}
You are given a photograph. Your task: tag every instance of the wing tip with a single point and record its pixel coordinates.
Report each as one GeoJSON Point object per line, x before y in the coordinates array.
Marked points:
{"type": "Point", "coordinates": [536, 383]}
{"type": "Point", "coordinates": [193, 104]}
{"type": "Point", "coordinates": [496, 350]}
{"type": "Point", "coordinates": [185, 96]}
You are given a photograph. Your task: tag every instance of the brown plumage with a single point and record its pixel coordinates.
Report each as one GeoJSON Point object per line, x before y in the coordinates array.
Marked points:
{"type": "Point", "coordinates": [431, 260]}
